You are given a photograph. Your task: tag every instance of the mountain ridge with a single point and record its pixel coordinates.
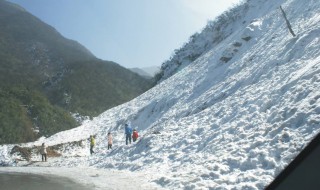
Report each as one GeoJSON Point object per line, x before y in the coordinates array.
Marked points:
{"type": "Point", "coordinates": [148, 72]}
{"type": "Point", "coordinates": [36, 60]}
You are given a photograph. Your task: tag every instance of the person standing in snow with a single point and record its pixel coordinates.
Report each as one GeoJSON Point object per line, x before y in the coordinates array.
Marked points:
{"type": "Point", "coordinates": [92, 143]}
{"type": "Point", "coordinates": [128, 132]}
{"type": "Point", "coordinates": [135, 135]}
{"type": "Point", "coordinates": [109, 141]}
{"type": "Point", "coordinates": [43, 152]}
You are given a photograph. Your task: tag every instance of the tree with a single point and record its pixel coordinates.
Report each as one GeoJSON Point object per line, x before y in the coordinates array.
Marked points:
{"type": "Point", "coordinates": [287, 21]}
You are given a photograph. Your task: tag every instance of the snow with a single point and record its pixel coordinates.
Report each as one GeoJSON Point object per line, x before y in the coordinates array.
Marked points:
{"type": "Point", "coordinates": [214, 124]}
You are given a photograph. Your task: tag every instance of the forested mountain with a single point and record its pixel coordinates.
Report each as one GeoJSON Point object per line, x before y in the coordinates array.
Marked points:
{"type": "Point", "coordinates": [45, 77]}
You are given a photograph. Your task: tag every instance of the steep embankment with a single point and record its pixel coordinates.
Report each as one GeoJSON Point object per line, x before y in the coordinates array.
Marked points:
{"type": "Point", "coordinates": [232, 119]}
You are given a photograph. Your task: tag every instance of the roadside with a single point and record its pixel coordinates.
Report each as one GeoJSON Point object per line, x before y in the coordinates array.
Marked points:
{"type": "Point", "coordinates": [98, 179]}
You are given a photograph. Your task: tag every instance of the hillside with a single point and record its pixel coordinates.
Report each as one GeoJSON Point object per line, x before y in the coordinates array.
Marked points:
{"type": "Point", "coordinates": [38, 64]}
{"type": "Point", "coordinates": [147, 72]}
{"type": "Point", "coordinates": [141, 72]}
{"type": "Point", "coordinates": [215, 32]}
{"type": "Point", "coordinates": [231, 119]}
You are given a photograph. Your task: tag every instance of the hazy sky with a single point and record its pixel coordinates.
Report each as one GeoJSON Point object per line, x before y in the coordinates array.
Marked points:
{"type": "Point", "coordinates": [133, 33]}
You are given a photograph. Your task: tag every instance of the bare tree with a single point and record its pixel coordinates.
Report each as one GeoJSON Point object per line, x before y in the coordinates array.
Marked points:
{"type": "Point", "coordinates": [287, 21]}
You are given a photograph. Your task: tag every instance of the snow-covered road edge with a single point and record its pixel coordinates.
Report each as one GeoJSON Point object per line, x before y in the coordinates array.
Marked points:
{"type": "Point", "coordinates": [99, 179]}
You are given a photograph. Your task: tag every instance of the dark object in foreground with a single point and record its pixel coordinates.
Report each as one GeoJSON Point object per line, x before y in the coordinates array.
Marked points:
{"type": "Point", "coordinates": [303, 172]}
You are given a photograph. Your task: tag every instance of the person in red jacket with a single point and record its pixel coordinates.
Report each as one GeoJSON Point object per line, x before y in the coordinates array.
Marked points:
{"type": "Point", "coordinates": [135, 135]}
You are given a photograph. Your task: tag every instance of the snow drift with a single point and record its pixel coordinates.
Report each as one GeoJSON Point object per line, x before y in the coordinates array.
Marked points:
{"type": "Point", "coordinates": [231, 119]}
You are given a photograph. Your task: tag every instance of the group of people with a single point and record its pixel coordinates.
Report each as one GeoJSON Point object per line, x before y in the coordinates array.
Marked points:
{"type": "Point", "coordinates": [131, 134]}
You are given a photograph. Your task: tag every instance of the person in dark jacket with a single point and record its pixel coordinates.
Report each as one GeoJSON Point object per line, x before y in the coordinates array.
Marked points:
{"type": "Point", "coordinates": [128, 132]}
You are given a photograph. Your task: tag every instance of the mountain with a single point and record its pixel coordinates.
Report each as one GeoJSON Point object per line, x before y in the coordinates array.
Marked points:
{"type": "Point", "coordinates": [211, 36]}
{"type": "Point", "coordinates": [45, 77]}
{"type": "Point", "coordinates": [147, 72]}
{"type": "Point", "coordinates": [233, 118]}
{"type": "Point", "coordinates": [141, 72]}
{"type": "Point", "coordinates": [153, 70]}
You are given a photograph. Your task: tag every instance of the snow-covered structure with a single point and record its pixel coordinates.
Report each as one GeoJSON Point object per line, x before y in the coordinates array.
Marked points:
{"type": "Point", "coordinates": [232, 118]}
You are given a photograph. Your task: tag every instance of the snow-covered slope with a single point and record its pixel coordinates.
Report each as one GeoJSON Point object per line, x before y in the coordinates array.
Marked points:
{"type": "Point", "coordinates": [214, 33]}
{"type": "Point", "coordinates": [232, 119]}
